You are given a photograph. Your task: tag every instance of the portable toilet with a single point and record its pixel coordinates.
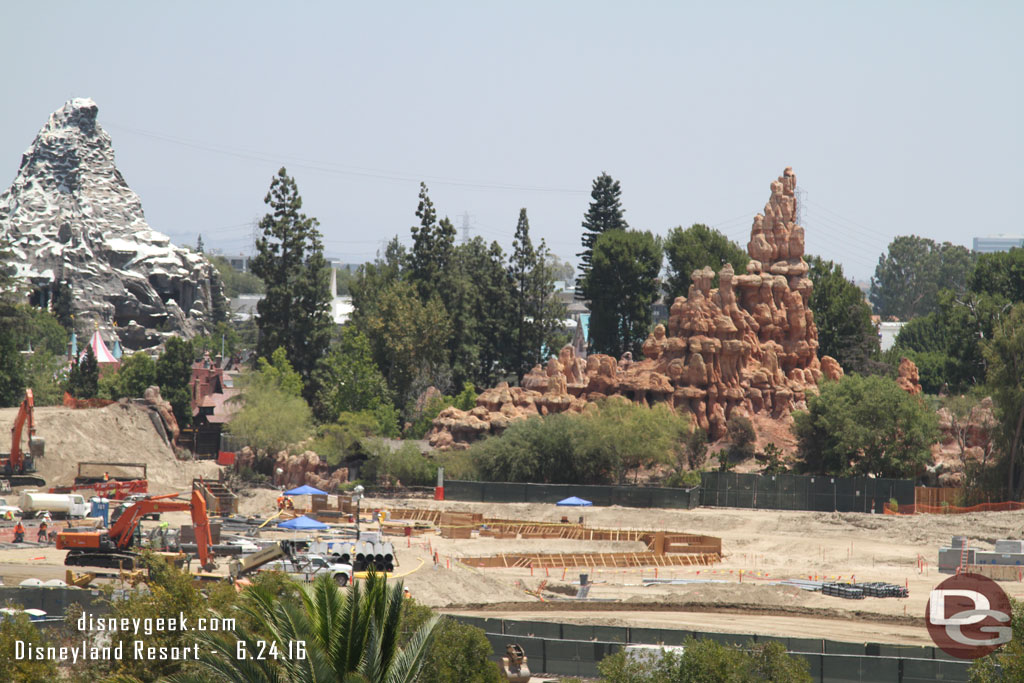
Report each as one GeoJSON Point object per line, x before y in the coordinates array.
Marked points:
{"type": "Point", "coordinates": [100, 508]}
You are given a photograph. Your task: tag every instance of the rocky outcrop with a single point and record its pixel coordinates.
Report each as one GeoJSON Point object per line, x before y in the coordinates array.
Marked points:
{"type": "Point", "coordinates": [70, 215]}
{"type": "Point", "coordinates": [291, 471]}
{"type": "Point", "coordinates": [908, 377]}
{"type": "Point", "coordinates": [153, 398]}
{"type": "Point", "coordinates": [749, 345]}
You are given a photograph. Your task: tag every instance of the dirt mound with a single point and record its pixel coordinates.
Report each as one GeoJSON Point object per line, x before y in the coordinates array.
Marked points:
{"type": "Point", "coordinates": [116, 433]}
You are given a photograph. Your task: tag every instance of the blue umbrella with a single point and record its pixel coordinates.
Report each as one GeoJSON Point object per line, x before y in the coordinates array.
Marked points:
{"type": "Point", "coordinates": [305, 491]}
{"type": "Point", "coordinates": [573, 500]}
{"type": "Point", "coordinates": [302, 523]}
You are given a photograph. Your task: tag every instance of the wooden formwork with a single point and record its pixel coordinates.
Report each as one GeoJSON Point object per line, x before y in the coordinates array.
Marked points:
{"type": "Point", "coordinates": [997, 572]}
{"type": "Point", "coordinates": [416, 515]}
{"type": "Point", "coordinates": [590, 560]}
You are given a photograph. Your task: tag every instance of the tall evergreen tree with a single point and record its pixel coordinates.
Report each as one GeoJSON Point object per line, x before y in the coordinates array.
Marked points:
{"type": "Point", "coordinates": [479, 313]}
{"type": "Point", "coordinates": [537, 314]}
{"type": "Point", "coordinates": [604, 214]}
{"type": "Point", "coordinates": [432, 250]}
{"type": "Point", "coordinates": [624, 284]}
{"type": "Point", "coordinates": [199, 244]}
{"type": "Point", "coordinates": [843, 318]}
{"type": "Point", "coordinates": [174, 377]}
{"type": "Point", "coordinates": [295, 313]}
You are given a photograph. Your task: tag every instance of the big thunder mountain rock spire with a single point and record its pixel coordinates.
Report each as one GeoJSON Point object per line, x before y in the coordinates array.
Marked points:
{"type": "Point", "coordinates": [749, 346]}
{"type": "Point", "coordinates": [70, 215]}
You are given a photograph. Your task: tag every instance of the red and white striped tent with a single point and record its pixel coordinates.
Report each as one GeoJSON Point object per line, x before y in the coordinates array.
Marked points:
{"type": "Point", "coordinates": [100, 350]}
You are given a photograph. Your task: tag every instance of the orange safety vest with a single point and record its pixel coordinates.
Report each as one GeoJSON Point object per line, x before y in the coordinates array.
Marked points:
{"type": "Point", "coordinates": [19, 529]}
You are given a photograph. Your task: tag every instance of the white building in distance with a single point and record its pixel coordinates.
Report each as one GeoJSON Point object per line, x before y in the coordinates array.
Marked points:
{"type": "Point", "coordinates": [994, 243]}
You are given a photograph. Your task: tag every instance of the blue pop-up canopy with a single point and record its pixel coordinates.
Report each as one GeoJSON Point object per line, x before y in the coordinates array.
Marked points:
{"type": "Point", "coordinates": [573, 500]}
{"type": "Point", "coordinates": [305, 491]}
{"type": "Point", "coordinates": [302, 523]}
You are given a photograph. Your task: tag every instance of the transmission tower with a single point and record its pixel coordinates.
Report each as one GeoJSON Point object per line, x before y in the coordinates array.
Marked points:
{"type": "Point", "coordinates": [800, 194]}
{"type": "Point", "coordinates": [465, 227]}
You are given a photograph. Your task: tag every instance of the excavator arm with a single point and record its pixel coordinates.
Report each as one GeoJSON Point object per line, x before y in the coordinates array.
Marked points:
{"type": "Point", "coordinates": [201, 525]}
{"type": "Point", "coordinates": [122, 531]}
{"type": "Point", "coordinates": [25, 414]}
{"type": "Point", "coordinates": [16, 464]}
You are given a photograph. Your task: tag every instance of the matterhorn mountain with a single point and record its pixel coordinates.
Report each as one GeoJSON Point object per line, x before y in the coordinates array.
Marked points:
{"type": "Point", "coordinates": [70, 216]}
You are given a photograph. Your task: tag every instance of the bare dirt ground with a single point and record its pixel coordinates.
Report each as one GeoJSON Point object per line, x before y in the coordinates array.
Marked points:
{"type": "Point", "coordinates": [764, 545]}
{"type": "Point", "coordinates": [116, 433]}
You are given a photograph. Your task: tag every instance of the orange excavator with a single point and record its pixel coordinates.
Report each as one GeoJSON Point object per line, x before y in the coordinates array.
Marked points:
{"type": "Point", "coordinates": [113, 547]}
{"type": "Point", "coordinates": [17, 466]}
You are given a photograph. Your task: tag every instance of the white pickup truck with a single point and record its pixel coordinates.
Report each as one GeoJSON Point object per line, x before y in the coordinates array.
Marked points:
{"type": "Point", "coordinates": [308, 567]}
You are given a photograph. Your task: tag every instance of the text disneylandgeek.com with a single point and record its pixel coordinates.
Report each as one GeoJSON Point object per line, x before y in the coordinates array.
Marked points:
{"type": "Point", "coordinates": [138, 649]}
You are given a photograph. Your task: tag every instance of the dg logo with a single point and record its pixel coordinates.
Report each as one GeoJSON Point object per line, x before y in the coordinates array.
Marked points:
{"type": "Point", "coordinates": [968, 616]}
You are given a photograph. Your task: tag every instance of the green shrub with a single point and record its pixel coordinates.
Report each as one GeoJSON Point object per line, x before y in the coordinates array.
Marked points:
{"type": "Point", "coordinates": [20, 628]}
{"type": "Point", "coordinates": [596, 447]}
{"type": "Point", "coordinates": [865, 426]}
{"type": "Point", "coordinates": [424, 421]}
{"type": "Point", "coordinates": [703, 661]}
{"type": "Point", "coordinates": [459, 652]}
{"type": "Point", "coordinates": [406, 465]}
{"type": "Point", "coordinates": [740, 432]}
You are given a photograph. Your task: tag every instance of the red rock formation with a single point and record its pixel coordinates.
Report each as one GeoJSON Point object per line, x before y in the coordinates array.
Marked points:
{"type": "Point", "coordinates": [291, 471]}
{"type": "Point", "coordinates": [751, 344]}
{"type": "Point", "coordinates": [163, 407]}
{"type": "Point", "coordinates": [908, 377]}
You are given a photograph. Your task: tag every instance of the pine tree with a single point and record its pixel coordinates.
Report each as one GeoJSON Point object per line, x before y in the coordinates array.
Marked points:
{"type": "Point", "coordinates": [295, 313]}
{"type": "Point", "coordinates": [199, 244]}
{"type": "Point", "coordinates": [83, 381]}
{"type": "Point", "coordinates": [604, 214]}
{"type": "Point", "coordinates": [537, 314]}
{"type": "Point", "coordinates": [432, 250]}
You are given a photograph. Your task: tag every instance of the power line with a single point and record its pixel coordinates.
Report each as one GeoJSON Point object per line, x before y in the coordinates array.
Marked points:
{"type": "Point", "coordinates": [331, 168]}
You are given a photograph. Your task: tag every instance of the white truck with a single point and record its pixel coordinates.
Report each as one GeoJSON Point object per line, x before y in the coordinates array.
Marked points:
{"type": "Point", "coordinates": [59, 505]}
{"type": "Point", "coordinates": [308, 567]}
{"type": "Point", "coordinates": [8, 511]}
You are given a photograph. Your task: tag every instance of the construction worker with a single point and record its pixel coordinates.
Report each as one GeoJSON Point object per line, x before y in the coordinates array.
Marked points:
{"type": "Point", "coordinates": [407, 593]}
{"type": "Point", "coordinates": [42, 535]}
{"type": "Point", "coordinates": [289, 504]}
{"type": "Point", "coordinates": [106, 477]}
{"type": "Point", "coordinates": [280, 502]}
{"type": "Point", "coordinates": [19, 532]}
{"type": "Point", "coordinates": [163, 535]}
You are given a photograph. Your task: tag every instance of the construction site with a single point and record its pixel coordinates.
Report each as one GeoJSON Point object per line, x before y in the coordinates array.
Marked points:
{"type": "Point", "coordinates": [858, 579]}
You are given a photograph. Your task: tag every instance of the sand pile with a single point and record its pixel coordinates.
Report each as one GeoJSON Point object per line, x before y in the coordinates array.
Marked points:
{"type": "Point", "coordinates": [117, 433]}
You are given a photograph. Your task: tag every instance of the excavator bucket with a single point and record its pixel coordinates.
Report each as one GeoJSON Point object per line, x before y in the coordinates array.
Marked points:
{"type": "Point", "coordinates": [513, 664]}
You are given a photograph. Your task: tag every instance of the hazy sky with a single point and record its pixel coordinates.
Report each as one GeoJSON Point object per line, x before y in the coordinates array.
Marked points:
{"type": "Point", "coordinates": [898, 117]}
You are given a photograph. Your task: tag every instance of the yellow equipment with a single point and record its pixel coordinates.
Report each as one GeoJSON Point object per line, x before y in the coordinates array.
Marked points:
{"type": "Point", "coordinates": [514, 664]}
